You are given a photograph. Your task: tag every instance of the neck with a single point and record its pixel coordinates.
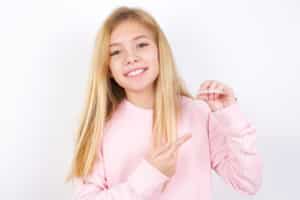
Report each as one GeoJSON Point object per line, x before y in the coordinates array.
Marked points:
{"type": "Point", "coordinates": [144, 99]}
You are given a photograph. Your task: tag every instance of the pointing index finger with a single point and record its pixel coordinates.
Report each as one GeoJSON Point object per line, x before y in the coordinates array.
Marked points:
{"type": "Point", "coordinates": [182, 140]}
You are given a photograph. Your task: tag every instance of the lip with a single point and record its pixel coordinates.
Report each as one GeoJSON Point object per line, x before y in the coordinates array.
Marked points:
{"type": "Point", "coordinates": [125, 74]}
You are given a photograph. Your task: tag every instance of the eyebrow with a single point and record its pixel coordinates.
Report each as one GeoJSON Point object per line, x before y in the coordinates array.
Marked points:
{"type": "Point", "coordinates": [135, 38]}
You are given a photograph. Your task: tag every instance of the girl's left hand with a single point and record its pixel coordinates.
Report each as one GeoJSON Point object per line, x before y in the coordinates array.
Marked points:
{"type": "Point", "coordinates": [216, 94]}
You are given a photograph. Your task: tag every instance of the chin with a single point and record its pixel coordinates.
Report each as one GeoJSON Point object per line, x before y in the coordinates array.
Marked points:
{"type": "Point", "coordinates": [138, 87]}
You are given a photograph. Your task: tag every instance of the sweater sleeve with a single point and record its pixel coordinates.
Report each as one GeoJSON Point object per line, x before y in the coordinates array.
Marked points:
{"type": "Point", "coordinates": [139, 185]}
{"type": "Point", "coordinates": [234, 156]}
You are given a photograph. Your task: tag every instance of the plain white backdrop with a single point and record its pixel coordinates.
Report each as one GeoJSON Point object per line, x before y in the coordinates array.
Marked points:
{"type": "Point", "coordinates": [45, 50]}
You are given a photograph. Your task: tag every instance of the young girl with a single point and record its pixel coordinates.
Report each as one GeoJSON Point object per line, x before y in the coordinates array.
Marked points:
{"type": "Point", "coordinates": [143, 136]}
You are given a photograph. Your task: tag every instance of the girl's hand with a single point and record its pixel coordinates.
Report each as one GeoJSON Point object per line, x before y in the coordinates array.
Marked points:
{"type": "Point", "coordinates": [216, 94]}
{"type": "Point", "coordinates": [164, 158]}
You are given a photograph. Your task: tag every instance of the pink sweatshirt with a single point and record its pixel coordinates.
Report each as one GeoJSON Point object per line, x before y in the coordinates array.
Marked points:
{"type": "Point", "coordinates": [224, 141]}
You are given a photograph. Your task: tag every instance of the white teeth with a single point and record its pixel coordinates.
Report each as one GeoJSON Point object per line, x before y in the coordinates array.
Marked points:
{"type": "Point", "coordinates": [136, 72]}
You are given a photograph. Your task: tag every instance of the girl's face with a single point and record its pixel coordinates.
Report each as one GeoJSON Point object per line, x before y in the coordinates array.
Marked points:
{"type": "Point", "coordinates": [133, 57]}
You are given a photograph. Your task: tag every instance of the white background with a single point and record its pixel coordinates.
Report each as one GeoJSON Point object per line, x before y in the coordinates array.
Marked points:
{"type": "Point", "coordinates": [45, 48]}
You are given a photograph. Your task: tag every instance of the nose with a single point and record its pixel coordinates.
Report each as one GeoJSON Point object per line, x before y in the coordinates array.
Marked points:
{"type": "Point", "coordinates": [131, 58]}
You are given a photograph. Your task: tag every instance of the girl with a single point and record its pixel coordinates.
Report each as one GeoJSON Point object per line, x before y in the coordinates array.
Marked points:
{"type": "Point", "coordinates": [143, 136]}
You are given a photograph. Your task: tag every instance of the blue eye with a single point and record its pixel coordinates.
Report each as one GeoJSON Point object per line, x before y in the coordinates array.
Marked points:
{"type": "Point", "coordinates": [142, 44]}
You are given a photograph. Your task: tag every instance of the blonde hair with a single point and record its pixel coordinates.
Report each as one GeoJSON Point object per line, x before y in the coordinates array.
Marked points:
{"type": "Point", "coordinates": [104, 94]}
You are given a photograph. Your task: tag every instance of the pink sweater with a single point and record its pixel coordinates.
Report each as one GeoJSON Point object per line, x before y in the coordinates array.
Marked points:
{"type": "Point", "coordinates": [224, 141]}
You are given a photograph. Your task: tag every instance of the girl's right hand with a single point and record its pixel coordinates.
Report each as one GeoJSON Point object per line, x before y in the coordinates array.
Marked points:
{"type": "Point", "coordinates": [164, 158]}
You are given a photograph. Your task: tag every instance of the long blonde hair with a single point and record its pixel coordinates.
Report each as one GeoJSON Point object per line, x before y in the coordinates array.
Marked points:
{"type": "Point", "coordinates": [104, 94]}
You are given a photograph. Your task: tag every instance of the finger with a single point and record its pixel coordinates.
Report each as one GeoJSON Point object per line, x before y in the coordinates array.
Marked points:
{"type": "Point", "coordinates": [174, 146]}
{"type": "Point", "coordinates": [171, 147]}
{"type": "Point", "coordinates": [203, 95]}
{"type": "Point", "coordinates": [163, 149]}
{"type": "Point", "coordinates": [228, 90]}
{"type": "Point", "coordinates": [220, 87]}
{"type": "Point", "coordinates": [205, 85]}
{"type": "Point", "coordinates": [225, 87]}
{"type": "Point", "coordinates": [181, 141]}
{"type": "Point", "coordinates": [211, 87]}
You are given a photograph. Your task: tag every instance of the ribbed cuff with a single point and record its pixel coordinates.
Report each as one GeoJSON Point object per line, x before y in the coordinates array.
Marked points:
{"type": "Point", "coordinates": [231, 117]}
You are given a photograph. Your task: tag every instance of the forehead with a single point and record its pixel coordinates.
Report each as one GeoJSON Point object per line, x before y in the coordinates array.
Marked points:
{"type": "Point", "coordinates": [129, 30]}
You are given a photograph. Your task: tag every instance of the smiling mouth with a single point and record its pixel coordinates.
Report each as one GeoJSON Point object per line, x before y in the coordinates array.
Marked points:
{"type": "Point", "coordinates": [136, 72]}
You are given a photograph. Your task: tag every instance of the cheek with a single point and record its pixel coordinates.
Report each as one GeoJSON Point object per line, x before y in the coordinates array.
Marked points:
{"type": "Point", "coordinates": [151, 57]}
{"type": "Point", "coordinates": [112, 64]}
{"type": "Point", "coordinates": [115, 64]}
{"type": "Point", "coordinates": [114, 70]}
